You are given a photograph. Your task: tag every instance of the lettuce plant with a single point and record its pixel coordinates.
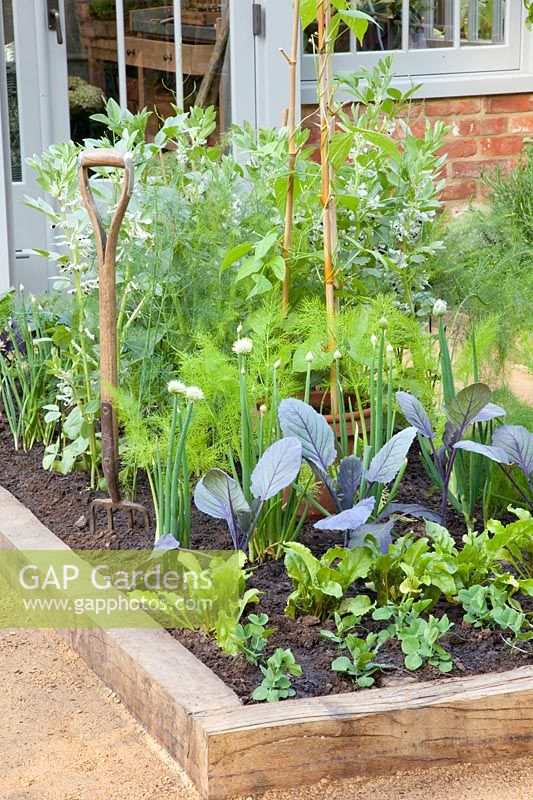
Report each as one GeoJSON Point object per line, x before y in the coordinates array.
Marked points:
{"type": "Point", "coordinates": [320, 584]}
{"type": "Point", "coordinates": [220, 496]}
{"type": "Point", "coordinates": [357, 485]}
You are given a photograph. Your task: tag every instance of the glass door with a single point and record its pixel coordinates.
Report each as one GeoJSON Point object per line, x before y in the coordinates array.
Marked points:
{"type": "Point", "coordinates": [147, 54]}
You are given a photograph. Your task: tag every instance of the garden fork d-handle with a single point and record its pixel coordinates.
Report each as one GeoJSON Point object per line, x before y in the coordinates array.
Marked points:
{"type": "Point", "coordinates": [106, 248]}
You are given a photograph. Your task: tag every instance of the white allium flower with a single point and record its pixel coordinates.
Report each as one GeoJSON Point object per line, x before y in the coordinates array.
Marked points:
{"type": "Point", "coordinates": [33, 299]}
{"type": "Point", "coordinates": [383, 323]}
{"type": "Point", "coordinates": [390, 349]}
{"type": "Point", "coordinates": [277, 364]}
{"type": "Point", "coordinates": [194, 393]}
{"type": "Point", "coordinates": [337, 354]}
{"type": "Point", "coordinates": [176, 387]}
{"type": "Point", "coordinates": [440, 308]}
{"type": "Point", "coordinates": [242, 347]}
{"type": "Point", "coordinates": [21, 287]}
{"type": "Point", "coordinates": [262, 409]}
{"type": "Point", "coordinates": [239, 329]}
{"type": "Point", "coordinates": [374, 340]}
{"type": "Point", "coordinates": [309, 357]}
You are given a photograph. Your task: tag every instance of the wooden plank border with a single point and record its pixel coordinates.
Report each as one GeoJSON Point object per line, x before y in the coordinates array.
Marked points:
{"type": "Point", "coordinates": [229, 749]}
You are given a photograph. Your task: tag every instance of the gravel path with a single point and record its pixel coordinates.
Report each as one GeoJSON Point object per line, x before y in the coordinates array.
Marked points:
{"type": "Point", "coordinates": [64, 736]}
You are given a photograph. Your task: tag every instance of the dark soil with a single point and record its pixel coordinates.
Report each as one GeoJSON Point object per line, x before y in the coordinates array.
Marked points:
{"type": "Point", "coordinates": [62, 504]}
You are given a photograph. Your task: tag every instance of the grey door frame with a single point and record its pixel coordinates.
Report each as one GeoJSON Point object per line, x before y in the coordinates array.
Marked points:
{"type": "Point", "coordinates": [42, 89]}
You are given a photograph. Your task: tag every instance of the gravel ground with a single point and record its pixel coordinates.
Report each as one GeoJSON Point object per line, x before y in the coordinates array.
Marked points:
{"type": "Point", "coordinates": [64, 736]}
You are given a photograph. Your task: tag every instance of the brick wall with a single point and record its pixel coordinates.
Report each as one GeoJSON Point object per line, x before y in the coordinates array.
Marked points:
{"type": "Point", "coordinates": [485, 132]}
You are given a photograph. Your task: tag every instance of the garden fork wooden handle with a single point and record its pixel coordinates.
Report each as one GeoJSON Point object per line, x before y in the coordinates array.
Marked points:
{"type": "Point", "coordinates": [106, 248]}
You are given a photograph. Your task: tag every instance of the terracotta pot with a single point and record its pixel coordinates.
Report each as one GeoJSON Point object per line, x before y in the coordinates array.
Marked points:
{"type": "Point", "coordinates": [321, 401]}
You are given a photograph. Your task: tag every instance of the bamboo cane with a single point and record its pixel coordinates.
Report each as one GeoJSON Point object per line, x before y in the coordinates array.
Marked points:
{"type": "Point", "coordinates": [328, 217]}
{"type": "Point", "coordinates": [291, 120]}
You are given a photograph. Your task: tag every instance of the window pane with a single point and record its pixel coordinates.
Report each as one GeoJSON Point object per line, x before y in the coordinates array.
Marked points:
{"type": "Point", "coordinates": [386, 34]}
{"type": "Point", "coordinates": [482, 22]}
{"type": "Point", "coordinates": [91, 33]}
{"type": "Point", "coordinates": [12, 95]}
{"type": "Point", "coordinates": [430, 24]}
{"type": "Point", "coordinates": [150, 30]}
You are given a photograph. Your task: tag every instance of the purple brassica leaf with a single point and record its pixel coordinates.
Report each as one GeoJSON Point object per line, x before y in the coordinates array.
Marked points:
{"type": "Point", "coordinates": [517, 442]}
{"type": "Point", "coordinates": [312, 431]}
{"type": "Point", "coordinates": [415, 414]}
{"type": "Point", "coordinates": [277, 468]}
{"type": "Point", "coordinates": [491, 411]}
{"type": "Point", "coordinates": [494, 453]}
{"type": "Point", "coordinates": [389, 460]}
{"type": "Point", "coordinates": [220, 496]}
{"type": "Point", "coordinates": [466, 405]}
{"type": "Point", "coordinates": [414, 510]}
{"type": "Point", "coordinates": [167, 542]}
{"type": "Point", "coordinates": [381, 531]}
{"type": "Point", "coordinates": [348, 520]}
{"type": "Point", "coordinates": [348, 480]}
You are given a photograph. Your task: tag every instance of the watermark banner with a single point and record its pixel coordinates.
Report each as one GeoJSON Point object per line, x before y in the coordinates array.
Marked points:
{"type": "Point", "coordinates": [118, 589]}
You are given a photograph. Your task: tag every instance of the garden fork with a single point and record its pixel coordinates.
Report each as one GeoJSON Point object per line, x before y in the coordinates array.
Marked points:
{"type": "Point", "coordinates": [106, 248]}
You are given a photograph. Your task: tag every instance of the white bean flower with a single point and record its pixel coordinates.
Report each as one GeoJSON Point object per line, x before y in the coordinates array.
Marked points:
{"type": "Point", "coordinates": [243, 346]}
{"type": "Point", "coordinates": [176, 387]}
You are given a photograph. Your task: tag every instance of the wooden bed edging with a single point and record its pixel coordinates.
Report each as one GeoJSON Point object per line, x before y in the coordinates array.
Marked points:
{"type": "Point", "coordinates": [229, 749]}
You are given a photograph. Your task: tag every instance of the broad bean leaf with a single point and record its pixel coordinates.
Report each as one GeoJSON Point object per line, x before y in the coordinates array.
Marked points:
{"type": "Point", "coordinates": [311, 429]}
{"type": "Point", "coordinates": [388, 461]}
{"type": "Point", "coordinates": [277, 468]}
{"type": "Point", "coordinates": [415, 414]}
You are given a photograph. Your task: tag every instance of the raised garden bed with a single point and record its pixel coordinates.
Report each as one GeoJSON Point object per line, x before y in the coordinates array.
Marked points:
{"type": "Point", "coordinates": [228, 747]}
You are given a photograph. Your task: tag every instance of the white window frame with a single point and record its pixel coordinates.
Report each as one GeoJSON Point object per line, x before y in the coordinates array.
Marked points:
{"type": "Point", "coordinates": [455, 71]}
